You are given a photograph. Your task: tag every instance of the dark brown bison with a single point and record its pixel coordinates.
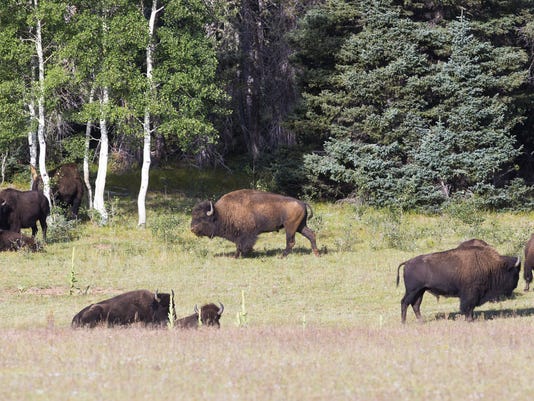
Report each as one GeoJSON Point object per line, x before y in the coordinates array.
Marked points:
{"type": "Point", "coordinates": [240, 216]}
{"type": "Point", "coordinates": [12, 241]}
{"type": "Point", "coordinates": [66, 186]}
{"type": "Point", "coordinates": [529, 262]}
{"type": "Point", "coordinates": [139, 306]}
{"type": "Point", "coordinates": [210, 315]}
{"type": "Point", "coordinates": [474, 274]}
{"type": "Point", "coordinates": [22, 209]}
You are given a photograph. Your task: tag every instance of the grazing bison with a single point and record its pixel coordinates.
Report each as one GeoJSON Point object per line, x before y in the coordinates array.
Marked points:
{"type": "Point", "coordinates": [240, 216]}
{"type": "Point", "coordinates": [22, 209]}
{"type": "Point", "coordinates": [131, 307]}
{"type": "Point", "coordinates": [12, 241]}
{"type": "Point", "coordinates": [529, 262]}
{"type": "Point", "coordinates": [210, 315]}
{"type": "Point", "coordinates": [474, 274]}
{"type": "Point", "coordinates": [66, 186]}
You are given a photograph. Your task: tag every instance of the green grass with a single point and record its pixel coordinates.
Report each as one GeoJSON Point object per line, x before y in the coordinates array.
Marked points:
{"type": "Point", "coordinates": [316, 328]}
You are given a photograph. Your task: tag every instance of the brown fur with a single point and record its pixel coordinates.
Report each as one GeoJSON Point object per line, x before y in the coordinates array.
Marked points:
{"type": "Point", "coordinates": [66, 186]}
{"type": "Point", "coordinates": [12, 241]}
{"type": "Point", "coordinates": [210, 315]}
{"type": "Point", "coordinates": [240, 216]}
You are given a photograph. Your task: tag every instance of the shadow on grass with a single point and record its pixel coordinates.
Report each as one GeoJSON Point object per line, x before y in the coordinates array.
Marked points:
{"type": "Point", "coordinates": [488, 314]}
{"type": "Point", "coordinates": [267, 253]}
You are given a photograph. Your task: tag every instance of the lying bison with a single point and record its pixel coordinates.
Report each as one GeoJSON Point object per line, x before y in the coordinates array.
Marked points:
{"type": "Point", "coordinates": [210, 315]}
{"type": "Point", "coordinates": [66, 186]}
{"type": "Point", "coordinates": [22, 209]}
{"type": "Point", "coordinates": [529, 262]}
{"type": "Point", "coordinates": [12, 241]}
{"type": "Point", "coordinates": [240, 216]}
{"type": "Point", "coordinates": [139, 306]}
{"type": "Point", "coordinates": [475, 274]}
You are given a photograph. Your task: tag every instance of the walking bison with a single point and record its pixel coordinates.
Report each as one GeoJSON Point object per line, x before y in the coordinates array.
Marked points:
{"type": "Point", "coordinates": [66, 186]}
{"type": "Point", "coordinates": [12, 241]}
{"type": "Point", "coordinates": [475, 274]}
{"type": "Point", "coordinates": [22, 209]}
{"type": "Point", "coordinates": [139, 306]}
{"type": "Point", "coordinates": [240, 216]}
{"type": "Point", "coordinates": [210, 315]}
{"type": "Point", "coordinates": [529, 262]}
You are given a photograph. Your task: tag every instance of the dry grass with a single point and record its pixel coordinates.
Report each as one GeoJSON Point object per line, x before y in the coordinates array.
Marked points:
{"type": "Point", "coordinates": [317, 328]}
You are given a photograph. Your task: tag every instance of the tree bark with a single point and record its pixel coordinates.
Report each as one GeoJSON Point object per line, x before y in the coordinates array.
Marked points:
{"type": "Point", "coordinates": [100, 182]}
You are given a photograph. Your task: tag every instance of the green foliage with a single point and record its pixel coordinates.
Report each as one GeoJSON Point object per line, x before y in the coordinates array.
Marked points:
{"type": "Point", "coordinates": [60, 229]}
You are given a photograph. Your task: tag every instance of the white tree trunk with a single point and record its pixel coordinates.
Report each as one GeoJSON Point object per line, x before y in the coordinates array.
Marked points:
{"type": "Point", "coordinates": [100, 182]}
{"type": "Point", "coordinates": [40, 109]}
{"type": "Point", "coordinates": [32, 141]}
{"type": "Point", "coordinates": [88, 129]}
{"type": "Point", "coordinates": [141, 199]}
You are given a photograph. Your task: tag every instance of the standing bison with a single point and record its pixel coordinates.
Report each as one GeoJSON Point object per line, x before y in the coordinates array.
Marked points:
{"type": "Point", "coordinates": [139, 306]}
{"type": "Point", "coordinates": [240, 216]}
{"type": "Point", "coordinates": [529, 262]}
{"type": "Point", "coordinates": [210, 315]}
{"type": "Point", "coordinates": [475, 274]}
{"type": "Point", "coordinates": [22, 209]}
{"type": "Point", "coordinates": [66, 186]}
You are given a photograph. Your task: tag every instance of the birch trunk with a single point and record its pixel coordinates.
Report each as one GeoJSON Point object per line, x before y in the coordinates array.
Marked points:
{"type": "Point", "coordinates": [88, 129]}
{"type": "Point", "coordinates": [141, 199]}
{"type": "Point", "coordinates": [32, 141]}
{"type": "Point", "coordinates": [100, 182]}
{"type": "Point", "coordinates": [40, 110]}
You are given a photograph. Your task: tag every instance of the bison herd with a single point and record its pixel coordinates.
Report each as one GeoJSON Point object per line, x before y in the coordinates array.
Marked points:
{"type": "Point", "coordinates": [474, 271]}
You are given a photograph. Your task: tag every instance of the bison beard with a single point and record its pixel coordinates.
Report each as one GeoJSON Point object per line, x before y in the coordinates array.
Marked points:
{"type": "Point", "coordinates": [131, 307]}
{"type": "Point", "coordinates": [475, 274]}
{"type": "Point", "coordinates": [210, 315]}
{"type": "Point", "coordinates": [240, 216]}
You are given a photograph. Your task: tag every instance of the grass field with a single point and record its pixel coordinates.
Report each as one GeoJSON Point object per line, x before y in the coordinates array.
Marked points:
{"type": "Point", "coordinates": [298, 328]}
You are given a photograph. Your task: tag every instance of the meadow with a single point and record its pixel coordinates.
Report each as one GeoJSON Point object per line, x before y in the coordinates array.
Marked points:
{"type": "Point", "coordinates": [295, 328]}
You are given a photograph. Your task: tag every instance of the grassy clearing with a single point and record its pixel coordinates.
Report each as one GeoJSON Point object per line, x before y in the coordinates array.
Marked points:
{"type": "Point", "coordinates": [316, 328]}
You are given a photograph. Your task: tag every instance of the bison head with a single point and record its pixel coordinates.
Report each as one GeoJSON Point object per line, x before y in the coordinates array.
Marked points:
{"type": "Point", "coordinates": [203, 221]}
{"type": "Point", "coordinates": [210, 314]}
{"type": "Point", "coordinates": [161, 305]}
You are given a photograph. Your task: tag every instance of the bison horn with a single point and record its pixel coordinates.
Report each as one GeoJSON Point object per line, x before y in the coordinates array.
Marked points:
{"type": "Point", "coordinates": [221, 309]}
{"type": "Point", "coordinates": [195, 309]}
{"type": "Point", "coordinates": [211, 210]}
{"type": "Point", "coordinates": [156, 297]}
{"type": "Point", "coordinates": [518, 262]}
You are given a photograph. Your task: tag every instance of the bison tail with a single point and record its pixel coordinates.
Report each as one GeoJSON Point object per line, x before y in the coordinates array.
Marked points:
{"type": "Point", "coordinates": [398, 272]}
{"type": "Point", "coordinates": [310, 208]}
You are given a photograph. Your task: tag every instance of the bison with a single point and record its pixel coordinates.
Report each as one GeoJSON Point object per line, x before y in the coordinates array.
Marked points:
{"type": "Point", "coordinates": [529, 262]}
{"type": "Point", "coordinates": [240, 216]}
{"type": "Point", "coordinates": [475, 274]}
{"type": "Point", "coordinates": [66, 186]}
{"type": "Point", "coordinates": [12, 241]}
{"type": "Point", "coordinates": [210, 315]}
{"type": "Point", "coordinates": [139, 306]}
{"type": "Point", "coordinates": [22, 209]}
{"type": "Point", "coordinates": [473, 242]}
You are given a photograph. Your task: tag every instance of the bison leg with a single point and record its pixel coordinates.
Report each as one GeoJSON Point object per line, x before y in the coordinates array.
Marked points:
{"type": "Point", "coordinates": [527, 275]}
{"type": "Point", "coordinates": [414, 298]}
{"type": "Point", "coordinates": [466, 308]}
{"type": "Point", "coordinates": [290, 243]}
{"type": "Point", "coordinates": [311, 237]}
{"type": "Point", "coordinates": [44, 227]}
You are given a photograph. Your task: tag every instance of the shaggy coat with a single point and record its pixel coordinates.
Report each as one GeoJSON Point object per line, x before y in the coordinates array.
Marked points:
{"type": "Point", "coordinates": [210, 315]}
{"type": "Point", "coordinates": [529, 262]}
{"type": "Point", "coordinates": [12, 241]}
{"type": "Point", "coordinates": [240, 216]}
{"type": "Point", "coordinates": [473, 274]}
{"type": "Point", "coordinates": [66, 186]}
{"type": "Point", "coordinates": [139, 306]}
{"type": "Point", "coordinates": [22, 209]}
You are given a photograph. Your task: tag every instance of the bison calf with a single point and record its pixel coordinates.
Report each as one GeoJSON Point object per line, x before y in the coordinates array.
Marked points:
{"type": "Point", "coordinates": [12, 241]}
{"type": "Point", "coordinates": [131, 307]}
{"type": "Point", "coordinates": [475, 274]}
{"type": "Point", "coordinates": [210, 315]}
{"type": "Point", "coordinates": [240, 216]}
